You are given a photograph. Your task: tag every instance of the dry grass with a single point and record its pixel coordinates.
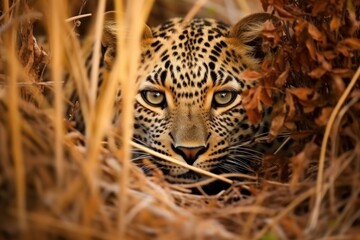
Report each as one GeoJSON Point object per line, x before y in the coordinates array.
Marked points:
{"type": "Point", "coordinates": [51, 186]}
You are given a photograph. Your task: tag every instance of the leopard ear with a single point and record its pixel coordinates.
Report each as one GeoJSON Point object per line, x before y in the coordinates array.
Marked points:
{"type": "Point", "coordinates": [248, 32]}
{"type": "Point", "coordinates": [110, 33]}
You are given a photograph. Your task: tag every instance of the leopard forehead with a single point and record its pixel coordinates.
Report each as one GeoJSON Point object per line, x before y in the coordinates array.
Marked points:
{"type": "Point", "coordinates": [188, 58]}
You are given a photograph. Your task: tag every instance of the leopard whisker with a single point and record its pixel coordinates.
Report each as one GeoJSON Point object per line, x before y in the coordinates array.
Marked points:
{"type": "Point", "coordinates": [137, 152]}
{"type": "Point", "coordinates": [234, 165]}
{"type": "Point", "coordinates": [141, 157]}
{"type": "Point", "coordinates": [236, 148]}
{"type": "Point", "coordinates": [242, 158]}
{"type": "Point", "coordinates": [227, 168]}
{"type": "Point", "coordinates": [140, 142]}
{"type": "Point", "coordinates": [262, 137]}
{"type": "Point", "coordinates": [247, 155]}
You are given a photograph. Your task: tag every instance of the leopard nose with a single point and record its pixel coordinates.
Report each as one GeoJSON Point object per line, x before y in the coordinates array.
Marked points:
{"type": "Point", "coordinates": [190, 154]}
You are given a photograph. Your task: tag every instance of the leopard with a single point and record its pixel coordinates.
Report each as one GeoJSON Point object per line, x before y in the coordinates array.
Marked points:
{"type": "Point", "coordinates": [189, 101]}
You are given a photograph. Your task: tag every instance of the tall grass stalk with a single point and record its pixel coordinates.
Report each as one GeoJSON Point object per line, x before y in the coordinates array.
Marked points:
{"type": "Point", "coordinates": [125, 67]}
{"type": "Point", "coordinates": [56, 36]}
{"type": "Point", "coordinates": [13, 67]}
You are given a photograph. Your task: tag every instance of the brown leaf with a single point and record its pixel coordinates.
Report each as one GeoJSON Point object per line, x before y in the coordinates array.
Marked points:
{"type": "Point", "coordinates": [324, 116]}
{"type": "Point", "coordinates": [353, 43]}
{"type": "Point", "coordinates": [303, 94]}
{"type": "Point", "coordinates": [329, 55]}
{"type": "Point", "coordinates": [264, 97]}
{"type": "Point", "coordinates": [290, 106]}
{"type": "Point", "coordinates": [317, 72]}
{"type": "Point", "coordinates": [299, 27]}
{"type": "Point", "coordinates": [254, 115]}
{"type": "Point", "coordinates": [315, 33]}
{"type": "Point", "coordinates": [280, 81]}
{"type": "Point", "coordinates": [343, 49]}
{"type": "Point", "coordinates": [339, 85]}
{"type": "Point", "coordinates": [335, 23]}
{"type": "Point", "coordinates": [250, 75]}
{"type": "Point", "coordinates": [252, 104]}
{"type": "Point", "coordinates": [325, 64]}
{"type": "Point", "coordinates": [343, 72]}
{"type": "Point", "coordinates": [311, 48]}
{"type": "Point", "coordinates": [277, 124]}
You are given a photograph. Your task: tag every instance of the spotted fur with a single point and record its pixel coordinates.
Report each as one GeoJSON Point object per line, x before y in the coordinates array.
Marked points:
{"type": "Point", "coordinates": [192, 67]}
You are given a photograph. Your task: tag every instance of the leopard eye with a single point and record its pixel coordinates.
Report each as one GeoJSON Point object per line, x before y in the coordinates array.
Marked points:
{"type": "Point", "coordinates": [223, 98]}
{"type": "Point", "coordinates": [154, 98]}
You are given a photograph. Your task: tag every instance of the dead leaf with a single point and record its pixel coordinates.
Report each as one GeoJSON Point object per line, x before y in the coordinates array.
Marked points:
{"type": "Point", "coordinates": [317, 72]}
{"type": "Point", "coordinates": [344, 50]}
{"type": "Point", "coordinates": [335, 23]}
{"type": "Point", "coordinates": [304, 94]}
{"type": "Point", "coordinates": [290, 106]}
{"type": "Point", "coordinates": [277, 124]}
{"type": "Point", "coordinates": [315, 33]}
{"type": "Point", "coordinates": [252, 104]}
{"type": "Point", "coordinates": [280, 81]}
{"type": "Point", "coordinates": [339, 85]}
{"type": "Point", "coordinates": [343, 72]}
{"type": "Point", "coordinates": [324, 116]}
{"type": "Point", "coordinates": [311, 48]}
{"type": "Point", "coordinates": [250, 75]}
{"type": "Point", "coordinates": [254, 115]}
{"type": "Point", "coordinates": [329, 55]}
{"type": "Point", "coordinates": [265, 97]}
{"type": "Point", "coordinates": [353, 43]}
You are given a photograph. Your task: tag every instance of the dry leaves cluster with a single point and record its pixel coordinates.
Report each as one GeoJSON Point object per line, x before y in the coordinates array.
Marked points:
{"type": "Point", "coordinates": [316, 54]}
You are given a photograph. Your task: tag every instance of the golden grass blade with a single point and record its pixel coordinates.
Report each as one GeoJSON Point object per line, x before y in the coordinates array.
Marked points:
{"type": "Point", "coordinates": [15, 123]}
{"type": "Point", "coordinates": [56, 35]}
{"type": "Point", "coordinates": [78, 17]}
{"type": "Point", "coordinates": [128, 54]}
{"type": "Point", "coordinates": [94, 130]}
{"type": "Point", "coordinates": [6, 9]}
{"type": "Point", "coordinates": [94, 75]}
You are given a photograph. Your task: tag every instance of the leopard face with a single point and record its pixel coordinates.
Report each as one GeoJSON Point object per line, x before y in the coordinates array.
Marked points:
{"type": "Point", "coordinates": [189, 103]}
